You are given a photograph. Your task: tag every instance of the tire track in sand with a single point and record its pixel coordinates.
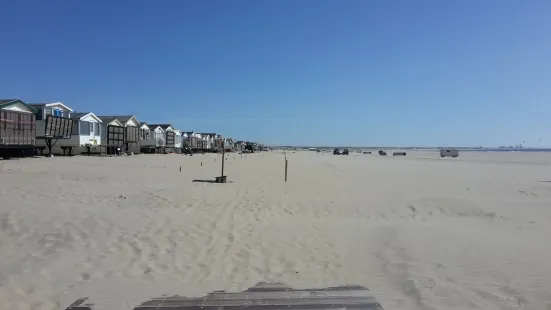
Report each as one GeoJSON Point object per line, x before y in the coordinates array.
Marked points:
{"type": "Point", "coordinates": [397, 267]}
{"type": "Point", "coordinates": [218, 233]}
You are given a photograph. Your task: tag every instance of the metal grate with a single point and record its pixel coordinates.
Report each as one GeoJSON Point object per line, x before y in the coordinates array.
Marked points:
{"type": "Point", "coordinates": [58, 127]}
{"type": "Point", "coordinates": [115, 135]}
{"type": "Point", "coordinates": [17, 128]}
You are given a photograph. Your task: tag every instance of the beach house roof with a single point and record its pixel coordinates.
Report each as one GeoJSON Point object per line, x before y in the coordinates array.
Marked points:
{"type": "Point", "coordinates": [49, 104]}
{"type": "Point", "coordinates": [107, 119]}
{"type": "Point", "coordinates": [163, 126]}
{"type": "Point", "coordinates": [110, 120]}
{"type": "Point", "coordinates": [6, 103]}
{"type": "Point", "coordinates": [124, 119]}
{"type": "Point", "coordinates": [81, 115]}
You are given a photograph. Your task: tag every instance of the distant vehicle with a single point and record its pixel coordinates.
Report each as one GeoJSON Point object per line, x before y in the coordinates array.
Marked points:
{"type": "Point", "coordinates": [449, 152]}
{"type": "Point", "coordinates": [345, 152]}
{"type": "Point", "coordinates": [336, 152]}
{"type": "Point", "coordinates": [399, 154]}
{"type": "Point", "coordinates": [382, 153]}
{"type": "Point", "coordinates": [366, 152]}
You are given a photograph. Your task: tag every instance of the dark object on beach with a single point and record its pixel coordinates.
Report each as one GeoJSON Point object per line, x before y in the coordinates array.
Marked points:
{"type": "Point", "coordinates": [249, 148]}
{"type": "Point", "coordinates": [336, 152]}
{"type": "Point", "coordinates": [204, 181]}
{"type": "Point", "coordinates": [345, 152]}
{"type": "Point", "coordinates": [366, 152]}
{"type": "Point", "coordinates": [187, 151]}
{"type": "Point", "coordinates": [449, 152]}
{"type": "Point", "coordinates": [399, 154]}
{"type": "Point", "coordinates": [265, 296]}
{"type": "Point", "coordinates": [382, 153]}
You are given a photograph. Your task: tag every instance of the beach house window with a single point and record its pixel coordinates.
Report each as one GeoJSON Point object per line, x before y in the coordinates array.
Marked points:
{"type": "Point", "coordinates": [74, 130]}
{"type": "Point", "coordinates": [91, 125]}
{"type": "Point", "coordinates": [97, 129]}
{"type": "Point", "coordinates": [144, 133]}
{"type": "Point", "coordinates": [47, 111]}
{"type": "Point", "coordinates": [84, 128]}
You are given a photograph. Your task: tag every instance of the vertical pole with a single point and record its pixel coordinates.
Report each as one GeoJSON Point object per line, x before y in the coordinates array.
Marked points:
{"type": "Point", "coordinates": [285, 169]}
{"type": "Point", "coordinates": [223, 157]}
{"type": "Point", "coordinates": [49, 144]}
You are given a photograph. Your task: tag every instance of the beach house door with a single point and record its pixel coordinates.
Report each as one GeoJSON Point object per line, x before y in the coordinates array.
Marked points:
{"type": "Point", "coordinates": [93, 130]}
{"type": "Point", "coordinates": [92, 133]}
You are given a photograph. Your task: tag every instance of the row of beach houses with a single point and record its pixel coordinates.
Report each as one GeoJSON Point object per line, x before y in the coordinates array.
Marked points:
{"type": "Point", "coordinates": [53, 127]}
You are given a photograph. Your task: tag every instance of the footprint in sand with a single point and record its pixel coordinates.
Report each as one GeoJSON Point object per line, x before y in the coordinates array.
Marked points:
{"type": "Point", "coordinates": [413, 210]}
{"type": "Point", "coordinates": [525, 193]}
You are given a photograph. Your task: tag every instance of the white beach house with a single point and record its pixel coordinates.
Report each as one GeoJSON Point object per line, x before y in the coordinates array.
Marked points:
{"type": "Point", "coordinates": [159, 135]}
{"type": "Point", "coordinates": [147, 142]}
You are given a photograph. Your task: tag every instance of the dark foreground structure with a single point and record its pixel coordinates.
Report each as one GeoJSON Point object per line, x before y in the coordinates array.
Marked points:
{"type": "Point", "coordinates": [17, 128]}
{"type": "Point", "coordinates": [265, 296]}
{"type": "Point", "coordinates": [112, 136]}
{"type": "Point", "coordinates": [53, 124]}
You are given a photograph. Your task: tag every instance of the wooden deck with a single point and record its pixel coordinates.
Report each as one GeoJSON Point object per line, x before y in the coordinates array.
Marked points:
{"type": "Point", "coordinates": [265, 296]}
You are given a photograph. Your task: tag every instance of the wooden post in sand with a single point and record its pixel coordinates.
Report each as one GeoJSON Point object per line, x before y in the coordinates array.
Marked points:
{"type": "Point", "coordinates": [285, 169]}
{"type": "Point", "coordinates": [223, 157]}
{"type": "Point", "coordinates": [222, 177]}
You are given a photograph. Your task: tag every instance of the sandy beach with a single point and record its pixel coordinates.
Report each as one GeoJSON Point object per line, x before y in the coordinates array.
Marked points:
{"type": "Point", "coordinates": [421, 232]}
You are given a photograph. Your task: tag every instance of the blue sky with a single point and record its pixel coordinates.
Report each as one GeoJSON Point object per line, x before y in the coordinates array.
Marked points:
{"type": "Point", "coordinates": [308, 72]}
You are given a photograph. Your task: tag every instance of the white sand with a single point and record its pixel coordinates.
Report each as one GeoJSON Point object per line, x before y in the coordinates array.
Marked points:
{"type": "Point", "coordinates": [421, 232]}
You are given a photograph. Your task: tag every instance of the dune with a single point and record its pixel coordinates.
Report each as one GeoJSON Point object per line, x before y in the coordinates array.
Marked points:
{"type": "Point", "coordinates": [420, 231]}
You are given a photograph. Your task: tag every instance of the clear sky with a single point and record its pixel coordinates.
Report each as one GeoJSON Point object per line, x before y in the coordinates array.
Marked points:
{"type": "Point", "coordinates": [308, 72]}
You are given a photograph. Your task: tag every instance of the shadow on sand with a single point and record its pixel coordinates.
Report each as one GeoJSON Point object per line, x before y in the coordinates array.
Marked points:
{"type": "Point", "coordinates": [213, 181]}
